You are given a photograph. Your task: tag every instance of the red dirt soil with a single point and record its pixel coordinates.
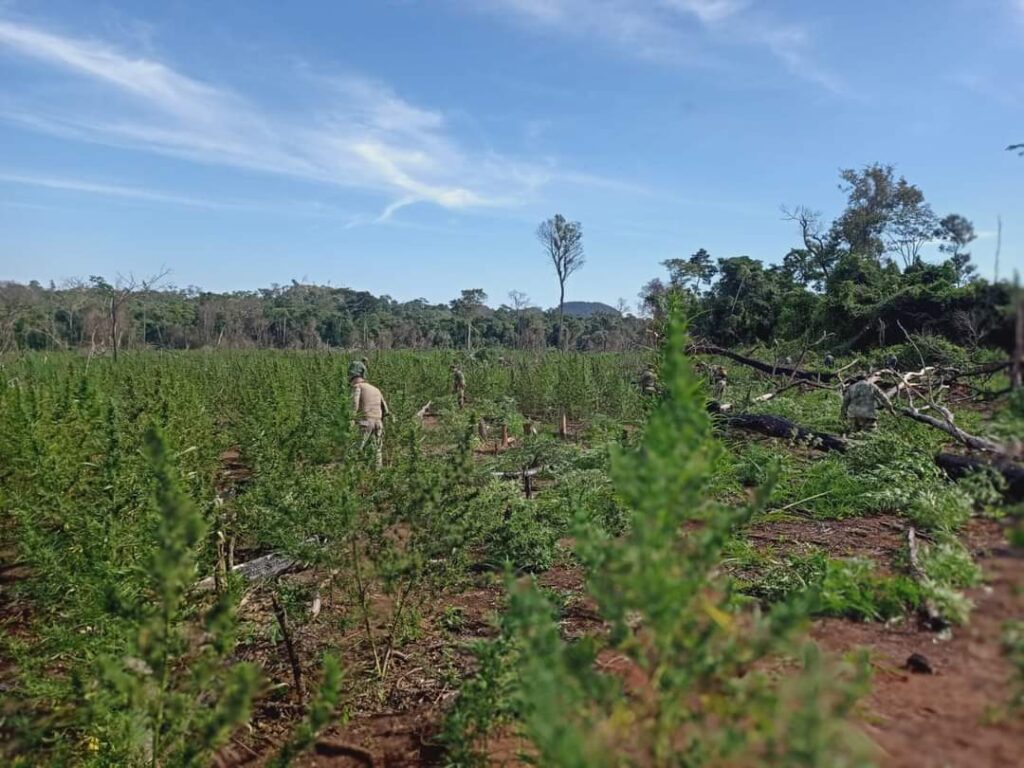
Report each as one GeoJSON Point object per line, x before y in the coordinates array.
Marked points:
{"type": "Point", "coordinates": [956, 716]}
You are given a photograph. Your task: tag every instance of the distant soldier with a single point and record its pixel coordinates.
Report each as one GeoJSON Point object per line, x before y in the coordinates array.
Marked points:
{"type": "Point", "coordinates": [892, 362]}
{"type": "Point", "coordinates": [370, 408]}
{"type": "Point", "coordinates": [830, 361]}
{"type": "Point", "coordinates": [459, 385]}
{"type": "Point", "coordinates": [860, 403]}
{"type": "Point", "coordinates": [719, 382]}
{"type": "Point", "coordinates": [649, 381]}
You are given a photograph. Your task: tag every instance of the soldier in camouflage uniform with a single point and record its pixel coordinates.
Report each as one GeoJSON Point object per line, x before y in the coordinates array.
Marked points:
{"type": "Point", "coordinates": [860, 401]}
{"type": "Point", "coordinates": [719, 382]}
{"type": "Point", "coordinates": [829, 361]}
{"type": "Point", "coordinates": [459, 385]}
{"type": "Point", "coordinates": [649, 382]}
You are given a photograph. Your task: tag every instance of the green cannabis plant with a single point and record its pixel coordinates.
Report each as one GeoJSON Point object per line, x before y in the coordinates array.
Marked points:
{"type": "Point", "coordinates": [172, 699]}
{"type": "Point", "coordinates": [681, 677]}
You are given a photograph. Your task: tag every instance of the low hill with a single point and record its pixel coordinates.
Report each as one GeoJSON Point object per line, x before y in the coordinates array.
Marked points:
{"type": "Point", "coordinates": [588, 309]}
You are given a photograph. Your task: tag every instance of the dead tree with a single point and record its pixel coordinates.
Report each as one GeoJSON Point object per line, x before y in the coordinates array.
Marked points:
{"type": "Point", "coordinates": [120, 297]}
{"type": "Point", "coordinates": [1018, 348]}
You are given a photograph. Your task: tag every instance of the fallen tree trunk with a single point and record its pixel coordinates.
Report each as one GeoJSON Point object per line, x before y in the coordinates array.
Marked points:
{"type": "Point", "coordinates": [774, 370]}
{"type": "Point", "coordinates": [516, 475]}
{"type": "Point", "coordinates": [981, 370]}
{"type": "Point", "coordinates": [947, 426]}
{"type": "Point", "coordinates": [776, 426]}
{"type": "Point", "coordinates": [957, 466]}
{"type": "Point", "coordinates": [265, 567]}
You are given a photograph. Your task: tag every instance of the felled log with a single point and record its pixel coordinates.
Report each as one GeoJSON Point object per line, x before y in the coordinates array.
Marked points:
{"type": "Point", "coordinates": [516, 475]}
{"type": "Point", "coordinates": [947, 426]}
{"type": "Point", "coordinates": [258, 569]}
{"type": "Point", "coordinates": [776, 426]}
{"type": "Point", "coordinates": [957, 466]}
{"type": "Point", "coordinates": [980, 370]}
{"type": "Point", "coordinates": [774, 370]}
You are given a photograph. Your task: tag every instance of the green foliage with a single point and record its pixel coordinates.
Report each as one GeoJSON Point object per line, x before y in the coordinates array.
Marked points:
{"type": "Point", "coordinates": [258, 449]}
{"type": "Point", "coordinates": [848, 588]}
{"type": "Point", "coordinates": [522, 539]}
{"type": "Point", "coordinates": [320, 714]}
{"type": "Point", "coordinates": [149, 708]}
{"type": "Point", "coordinates": [770, 579]}
{"type": "Point", "coordinates": [935, 350]}
{"type": "Point", "coordinates": [1013, 645]}
{"type": "Point", "coordinates": [852, 589]}
{"type": "Point", "coordinates": [690, 645]}
{"type": "Point", "coordinates": [487, 699]}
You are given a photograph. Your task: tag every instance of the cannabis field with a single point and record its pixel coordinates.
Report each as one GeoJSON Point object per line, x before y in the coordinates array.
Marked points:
{"type": "Point", "coordinates": [202, 566]}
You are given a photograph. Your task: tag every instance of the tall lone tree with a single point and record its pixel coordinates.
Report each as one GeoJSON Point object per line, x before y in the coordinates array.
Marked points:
{"type": "Point", "coordinates": [563, 243]}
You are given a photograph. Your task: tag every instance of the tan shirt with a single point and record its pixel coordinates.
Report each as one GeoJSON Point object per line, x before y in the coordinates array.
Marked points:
{"type": "Point", "coordinates": [368, 402]}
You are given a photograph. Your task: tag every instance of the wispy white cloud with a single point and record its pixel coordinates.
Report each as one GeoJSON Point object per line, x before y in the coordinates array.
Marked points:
{"type": "Point", "coordinates": [312, 208]}
{"type": "Point", "coordinates": [359, 134]}
{"type": "Point", "coordinates": [693, 32]}
{"type": "Point", "coordinates": [110, 190]}
{"type": "Point", "coordinates": [709, 11]}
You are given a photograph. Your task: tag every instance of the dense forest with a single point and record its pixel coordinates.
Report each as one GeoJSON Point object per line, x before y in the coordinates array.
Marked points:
{"type": "Point", "coordinates": [856, 279]}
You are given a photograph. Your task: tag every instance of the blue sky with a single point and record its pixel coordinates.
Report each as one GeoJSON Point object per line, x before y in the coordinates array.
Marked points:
{"type": "Point", "coordinates": [410, 147]}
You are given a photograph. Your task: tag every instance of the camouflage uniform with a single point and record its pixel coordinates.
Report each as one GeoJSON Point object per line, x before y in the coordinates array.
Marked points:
{"type": "Point", "coordinates": [649, 381]}
{"type": "Point", "coordinates": [370, 408]}
{"type": "Point", "coordinates": [719, 382]}
{"type": "Point", "coordinates": [860, 404]}
{"type": "Point", "coordinates": [892, 362]}
{"type": "Point", "coordinates": [829, 361]}
{"type": "Point", "coordinates": [459, 385]}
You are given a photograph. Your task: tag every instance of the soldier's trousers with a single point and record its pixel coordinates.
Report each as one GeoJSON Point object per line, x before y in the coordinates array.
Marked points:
{"type": "Point", "coordinates": [373, 433]}
{"type": "Point", "coordinates": [862, 424]}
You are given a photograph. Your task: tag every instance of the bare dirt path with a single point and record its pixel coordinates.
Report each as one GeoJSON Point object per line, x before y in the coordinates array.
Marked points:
{"type": "Point", "coordinates": [956, 716]}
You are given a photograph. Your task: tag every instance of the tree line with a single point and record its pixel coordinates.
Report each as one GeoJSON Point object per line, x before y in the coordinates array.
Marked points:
{"type": "Point", "coordinates": [105, 317]}
{"type": "Point", "coordinates": [862, 279]}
